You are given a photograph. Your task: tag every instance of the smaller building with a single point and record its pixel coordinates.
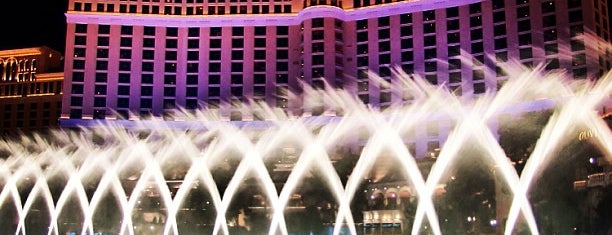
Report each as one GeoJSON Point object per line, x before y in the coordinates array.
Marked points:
{"type": "Point", "coordinates": [30, 89]}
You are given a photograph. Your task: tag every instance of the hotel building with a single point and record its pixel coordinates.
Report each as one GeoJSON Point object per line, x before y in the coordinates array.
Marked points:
{"type": "Point", "coordinates": [30, 90]}
{"type": "Point", "coordinates": [130, 60]}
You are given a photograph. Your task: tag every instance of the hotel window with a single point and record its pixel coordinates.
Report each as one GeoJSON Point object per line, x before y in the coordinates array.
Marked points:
{"type": "Point", "coordinates": [125, 54]}
{"type": "Point", "coordinates": [282, 30]}
{"type": "Point", "coordinates": [126, 42]}
{"type": "Point", "coordinates": [383, 21]}
{"type": "Point", "coordinates": [147, 66]}
{"type": "Point", "coordinates": [406, 18]}
{"type": "Point", "coordinates": [193, 55]}
{"type": "Point", "coordinates": [573, 3]}
{"type": "Point", "coordinates": [384, 46]}
{"type": "Point", "coordinates": [148, 42]}
{"type": "Point", "coordinates": [384, 58]}
{"type": "Point", "coordinates": [101, 65]}
{"type": "Point", "coordinates": [550, 35]}
{"type": "Point", "coordinates": [362, 24]}
{"type": "Point", "coordinates": [454, 64]}
{"type": "Point", "coordinates": [146, 90]}
{"type": "Point", "coordinates": [79, 52]}
{"type": "Point", "coordinates": [214, 91]}
{"type": "Point", "coordinates": [102, 53]}
{"type": "Point", "coordinates": [260, 54]}
{"type": "Point", "coordinates": [475, 8]}
{"type": "Point", "coordinates": [124, 78]}
{"type": "Point", "coordinates": [214, 55]}
{"type": "Point", "coordinates": [549, 21]}
{"type": "Point", "coordinates": [452, 24]}
{"type": "Point", "coordinates": [362, 36]}
{"type": "Point", "coordinates": [430, 53]}
{"type": "Point", "coordinates": [524, 25]}
{"type": "Point", "coordinates": [502, 56]}
{"type": "Point", "coordinates": [169, 91]}
{"type": "Point", "coordinates": [282, 54]}
{"type": "Point", "coordinates": [578, 60]}
{"type": "Point", "coordinates": [475, 21]}
{"type": "Point", "coordinates": [260, 30]}
{"type": "Point", "coordinates": [525, 39]}
{"type": "Point", "coordinates": [103, 29]}
{"type": "Point", "coordinates": [432, 79]}
{"type": "Point", "coordinates": [453, 37]}
{"type": "Point", "coordinates": [171, 43]}
{"type": "Point", "coordinates": [552, 63]}
{"type": "Point", "coordinates": [76, 101]}
{"type": "Point", "coordinates": [551, 49]}
{"type": "Point", "coordinates": [407, 56]}
{"type": "Point", "coordinates": [193, 43]}
{"type": "Point", "coordinates": [80, 40]}
{"type": "Point", "coordinates": [454, 50]}
{"type": "Point", "coordinates": [103, 41]}
{"type": "Point", "coordinates": [548, 7]}
{"type": "Point", "coordinates": [77, 89]}
{"type": "Point", "coordinates": [522, 12]}
{"type": "Point", "coordinates": [123, 90]}
{"type": "Point", "coordinates": [501, 43]}
{"type": "Point", "coordinates": [125, 65]}
{"type": "Point", "coordinates": [477, 47]}
{"type": "Point", "coordinates": [236, 91]}
{"type": "Point", "coordinates": [498, 4]}
{"type": "Point", "coordinates": [238, 43]}
{"type": "Point", "coordinates": [148, 54]}
{"type": "Point", "coordinates": [122, 8]}
{"type": "Point", "coordinates": [479, 88]}
{"type": "Point", "coordinates": [452, 12]}
{"type": "Point", "coordinates": [454, 77]}
{"type": "Point", "coordinates": [149, 30]}
{"type": "Point", "coordinates": [123, 102]}
{"type": "Point", "coordinates": [236, 66]}
{"type": "Point", "coordinates": [478, 74]}
{"type": "Point", "coordinates": [429, 28]}
{"type": "Point", "coordinates": [215, 43]}
{"type": "Point", "coordinates": [260, 42]}
{"type": "Point", "coordinates": [499, 16]}
{"type": "Point", "coordinates": [429, 40]}
{"type": "Point", "coordinates": [192, 79]}
{"type": "Point", "coordinates": [78, 76]}
{"type": "Point", "coordinates": [237, 31]}
{"type": "Point", "coordinates": [193, 32]}
{"type": "Point", "coordinates": [525, 53]}
{"type": "Point", "coordinates": [577, 45]}
{"type": "Point", "coordinates": [100, 89]}
{"type": "Point", "coordinates": [406, 30]}
{"type": "Point", "coordinates": [499, 30]}
{"type": "Point", "coordinates": [363, 49]}
{"type": "Point", "coordinates": [170, 67]}
{"type": "Point", "coordinates": [431, 66]}
{"type": "Point", "coordinates": [476, 34]}
{"type": "Point", "coordinates": [429, 15]}
{"type": "Point", "coordinates": [384, 33]}
{"type": "Point", "coordinates": [80, 28]}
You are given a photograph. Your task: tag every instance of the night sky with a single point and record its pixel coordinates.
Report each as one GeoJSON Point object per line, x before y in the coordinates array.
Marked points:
{"type": "Point", "coordinates": [32, 23]}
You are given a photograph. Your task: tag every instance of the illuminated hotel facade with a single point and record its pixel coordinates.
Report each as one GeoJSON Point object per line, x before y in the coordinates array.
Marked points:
{"type": "Point", "coordinates": [127, 60]}
{"type": "Point", "coordinates": [30, 90]}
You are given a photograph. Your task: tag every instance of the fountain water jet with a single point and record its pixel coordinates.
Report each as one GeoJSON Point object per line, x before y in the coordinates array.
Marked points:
{"type": "Point", "coordinates": [110, 153]}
